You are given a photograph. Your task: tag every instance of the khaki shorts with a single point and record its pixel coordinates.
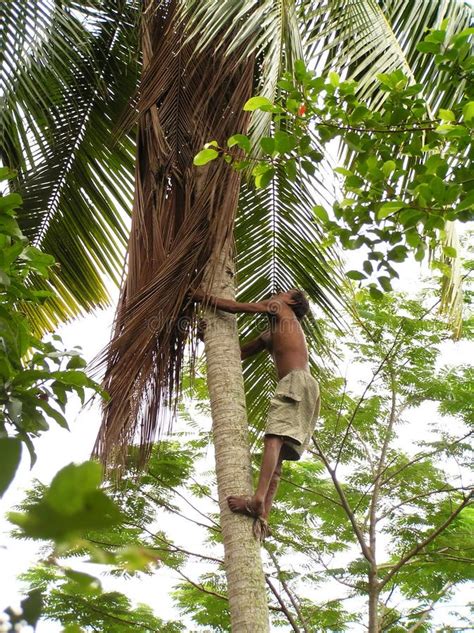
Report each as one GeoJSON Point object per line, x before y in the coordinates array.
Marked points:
{"type": "Point", "coordinates": [293, 412]}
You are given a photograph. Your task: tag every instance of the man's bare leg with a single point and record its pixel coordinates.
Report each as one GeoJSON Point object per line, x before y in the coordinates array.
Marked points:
{"type": "Point", "coordinates": [254, 506]}
{"type": "Point", "coordinates": [273, 487]}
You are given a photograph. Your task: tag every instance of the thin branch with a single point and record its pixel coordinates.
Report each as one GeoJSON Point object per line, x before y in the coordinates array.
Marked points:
{"type": "Point", "coordinates": [289, 617]}
{"type": "Point", "coordinates": [341, 403]}
{"type": "Point", "coordinates": [377, 481]}
{"type": "Point", "coordinates": [362, 398]}
{"type": "Point", "coordinates": [310, 490]}
{"type": "Point", "coordinates": [88, 604]}
{"type": "Point", "coordinates": [214, 593]}
{"type": "Point", "coordinates": [183, 516]}
{"type": "Point", "coordinates": [345, 583]}
{"type": "Point", "coordinates": [156, 537]}
{"type": "Point", "coordinates": [421, 496]}
{"type": "Point", "coordinates": [201, 588]}
{"type": "Point", "coordinates": [288, 592]}
{"type": "Point", "coordinates": [187, 552]}
{"type": "Point", "coordinates": [351, 128]}
{"type": "Point", "coordinates": [417, 548]}
{"type": "Point", "coordinates": [345, 504]}
{"type": "Point", "coordinates": [203, 490]}
{"type": "Point", "coordinates": [424, 456]}
{"type": "Point", "coordinates": [176, 492]}
{"type": "Point", "coordinates": [375, 374]}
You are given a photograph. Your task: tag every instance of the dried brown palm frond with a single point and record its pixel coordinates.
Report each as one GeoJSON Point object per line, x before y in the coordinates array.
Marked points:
{"type": "Point", "coordinates": [182, 218]}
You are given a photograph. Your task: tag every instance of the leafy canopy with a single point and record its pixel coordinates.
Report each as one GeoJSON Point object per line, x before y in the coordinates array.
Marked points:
{"type": "Point", "coordinates": [407, 174]}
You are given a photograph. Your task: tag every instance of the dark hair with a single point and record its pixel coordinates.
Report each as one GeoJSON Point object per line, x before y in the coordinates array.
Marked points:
{"type": "Point", "coordinates": [301, 307]}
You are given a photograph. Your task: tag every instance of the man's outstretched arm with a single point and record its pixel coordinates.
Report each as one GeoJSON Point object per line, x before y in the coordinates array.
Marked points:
{"type": "Point", "coordinates": [228, 305]}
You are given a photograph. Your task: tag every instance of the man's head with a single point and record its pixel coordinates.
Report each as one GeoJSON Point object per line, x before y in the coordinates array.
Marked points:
{"type": "Point", "coordinates": [297, 301]}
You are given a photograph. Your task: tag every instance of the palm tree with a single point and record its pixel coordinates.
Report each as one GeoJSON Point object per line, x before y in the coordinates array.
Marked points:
{"type": "Point", "coordinates": [64, 125]}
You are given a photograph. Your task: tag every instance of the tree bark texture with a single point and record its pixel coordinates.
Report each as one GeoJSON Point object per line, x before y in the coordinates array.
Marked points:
{"type": "Point", "coordinates": [243, 565]}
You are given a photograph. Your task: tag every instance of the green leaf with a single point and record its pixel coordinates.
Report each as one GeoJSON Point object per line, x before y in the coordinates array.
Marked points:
{"type": "Point", "coordinates": [388, 208]}
{"type": "Point", "coordinates": [76, 362]}
{"type": "Point", "coordinates": [73, 377]}
{"type": "Point", "coordinates": [321, 213]}
{"type": "Point", "coordinates": [398, 253]}
{"type": "Point", "coordinates": [10, 457]}
{"type": "Point", "coordinates": [356, 274]}
{"type": "Point", "coordinates": [240, 140]}
{"type": "Point", "coordinates": [10, 201]}
{"type": "Point", "coordinates": [205, 156]}
{"type": "Point", "coordinates": [52, 413]}
{"type": "Point", "coordinates": [70, 487]}
{"type": "Point", "coordinates": [85, 582]}
{"type": "Point", "coordinates": [290, 169]}
{"type": "Point", "coordinates": [467, 202]}
{"type": "Point", "coordinates": [32, 607]}
{"type": "Point", "coordinates": [284, 142]}
{"type": "Point", "coordinates": [5, 173]}
{"type": "Point", "coordinates": [4, 279]}
{"type": "Point", "coordinates": [385, 283]}
{"type": "Point", "coordinates": [420, 253]}
{"type": "Point", "coordinates": [449, 251]}
{"type": "Point", "coordinates": [267, 143]}
{"type": "Point", "coordinates": [300, 69]}
{"type": "Point", "coordinates": [428, 47]}
{"type": "Point", "coordinates": [286, 84]}
{"type": "Point", "coordinates": [446, 115]}
{"type": "Point", "coordinates": [468, 111]}
{"type": "Point", "coordinates": [367, 266]}
{"type": "Point", "coordinates": [10, 226]}
{"type": "Point", "coordinates": [343, 171]}
{"type": "Point", "coordinates": [412, 238]}
{"type": "Point", "coordinates": [264, 179]}
{"type": "Point", "coordinates": [334, 78]}
{"type": "Point", "coordinates": [42, 521]}
{"type": "Point", "coordinates": [360, 113]}
{"type": "Point", "coordinates": [375, 293]}
{"type": "Point", "coordinates": [388, 167]}
{"type": "Point", "coordinates": [257, 103]}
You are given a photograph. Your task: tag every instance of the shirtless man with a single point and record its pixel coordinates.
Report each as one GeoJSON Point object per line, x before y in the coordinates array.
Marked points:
{"type": "Point", "coordinates": [295, 406]}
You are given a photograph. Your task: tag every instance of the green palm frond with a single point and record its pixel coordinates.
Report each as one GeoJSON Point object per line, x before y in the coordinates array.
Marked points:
{"type": "Point", "coordinates": [362, 38]}
{"type": "Point", "coordinates": [61, 107]}
{"type": "Point", "coordinates": [41, 44]}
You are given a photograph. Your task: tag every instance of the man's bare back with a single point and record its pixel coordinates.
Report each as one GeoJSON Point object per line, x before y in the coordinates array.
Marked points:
{"type": "Point", "coordinates": [285, 340]}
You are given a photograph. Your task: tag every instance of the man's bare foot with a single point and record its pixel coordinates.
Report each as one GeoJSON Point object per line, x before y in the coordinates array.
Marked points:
{"type": "Point", "coordinates": [249, 506]}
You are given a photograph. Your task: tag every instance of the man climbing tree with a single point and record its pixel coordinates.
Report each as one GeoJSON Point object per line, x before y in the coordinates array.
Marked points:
{"type": "Point", "coordinates": [295, 406]}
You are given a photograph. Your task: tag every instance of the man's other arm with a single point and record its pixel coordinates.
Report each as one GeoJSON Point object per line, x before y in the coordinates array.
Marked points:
{"type": "Point", "coordinates": [250, 348]}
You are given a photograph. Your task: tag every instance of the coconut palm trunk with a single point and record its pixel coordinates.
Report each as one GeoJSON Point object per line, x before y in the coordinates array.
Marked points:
{"type": "Point", "coordinates": [245, 579]}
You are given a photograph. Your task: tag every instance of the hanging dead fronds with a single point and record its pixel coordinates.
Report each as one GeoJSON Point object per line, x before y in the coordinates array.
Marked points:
{"type": "Point", "coordinates": [182, 218]}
